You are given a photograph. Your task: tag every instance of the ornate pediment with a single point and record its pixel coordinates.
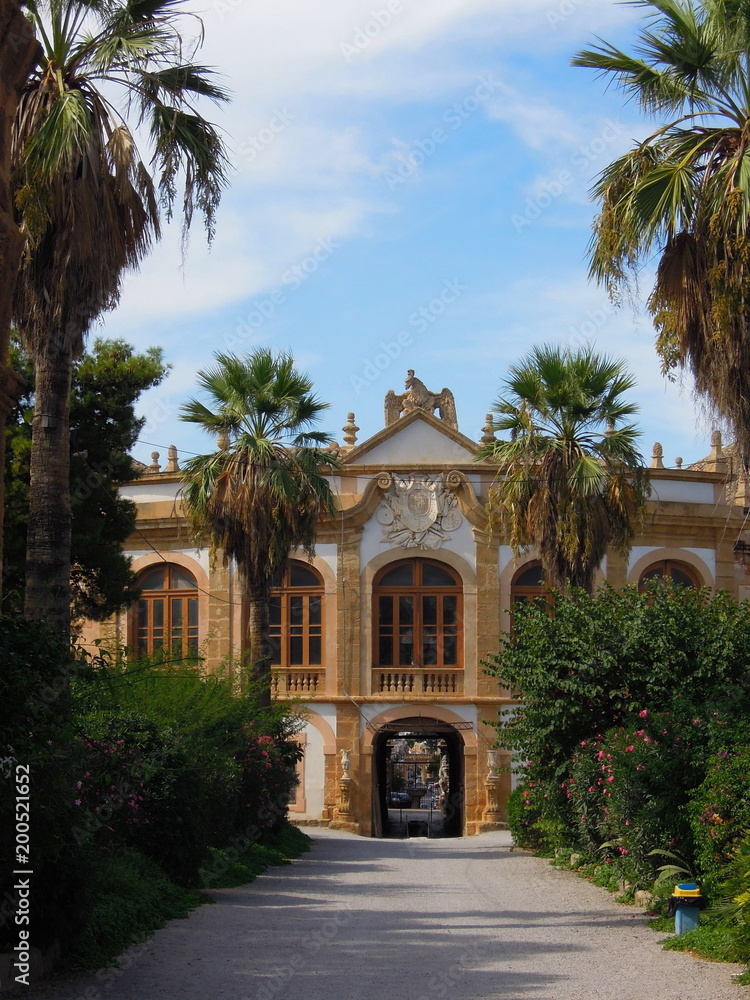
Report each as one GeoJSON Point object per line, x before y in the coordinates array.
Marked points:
{"type": "Point", "coordinates": [418, 511]}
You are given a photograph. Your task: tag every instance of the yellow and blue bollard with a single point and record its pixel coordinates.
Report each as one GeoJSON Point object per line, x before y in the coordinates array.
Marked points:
{"type": "Point", "coordinates": [685, 905]}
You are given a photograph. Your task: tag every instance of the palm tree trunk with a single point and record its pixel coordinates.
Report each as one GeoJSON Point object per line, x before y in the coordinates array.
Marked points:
{"type": "Point", "coordinates": [259, 650]}
{"type": "Point", "coordinates": [19, 51]}
{"type": "Point", "coordinates": [48, 548]}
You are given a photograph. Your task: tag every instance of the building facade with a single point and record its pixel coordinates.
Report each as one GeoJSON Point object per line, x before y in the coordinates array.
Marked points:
{"type": "Point", "coordinates": [382, 636]}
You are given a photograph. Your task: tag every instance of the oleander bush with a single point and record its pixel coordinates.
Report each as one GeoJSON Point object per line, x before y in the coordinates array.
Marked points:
{"type": "Point", "coordinates": [630, 728]}
{"type": "Point", "coordinates": [144, 766]}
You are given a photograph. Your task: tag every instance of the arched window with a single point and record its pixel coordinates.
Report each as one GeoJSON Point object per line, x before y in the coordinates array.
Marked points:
{"type": "Point", "coordinates": [680, 573]}
{"type": "Point", "coordinates": [166, 615]}
{"type": "Point", "coordinates": [296, 618]}
{"type": "Point", "coordinates": [418, 611]}
{"type": "Point", "coordinates": [527, 583]}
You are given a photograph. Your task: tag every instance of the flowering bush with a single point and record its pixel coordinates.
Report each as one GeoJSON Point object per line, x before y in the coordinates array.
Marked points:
{"type": "Point", "coordinates": [268, 777]}
{"type": "Point", "coordinates": [720, 809]}
{"type": "Point", "coordinates": [629, 789]}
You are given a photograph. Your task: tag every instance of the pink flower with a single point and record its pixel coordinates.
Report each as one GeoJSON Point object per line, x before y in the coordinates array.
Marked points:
{"type": "Point", "coordinates": [627, 822]}
{"type": "Point", "coordinates": [629, 749]}
{"type": "Point", "coordinates": [643, 714]}
{"type": "Point", "coordinates": [611, 777]}
{"type": "Point", "coordinates": [78, 802]}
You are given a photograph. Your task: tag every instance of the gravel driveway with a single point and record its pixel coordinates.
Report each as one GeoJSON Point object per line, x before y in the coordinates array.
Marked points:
{"type": "Point", "coordinates": [360, 919]}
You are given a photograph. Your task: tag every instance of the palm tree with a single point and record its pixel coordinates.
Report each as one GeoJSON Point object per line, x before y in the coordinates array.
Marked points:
{"type": "Point", "coordinates": [263, 492]}
{"type": "Point", "coordinates": [90, 209]}
{"type": "Point", "coordinates": [18, 55]}
{"type": "Point", "coordinates": [570, 477]}
{"type": "Point", "coordinates": [683, 194]}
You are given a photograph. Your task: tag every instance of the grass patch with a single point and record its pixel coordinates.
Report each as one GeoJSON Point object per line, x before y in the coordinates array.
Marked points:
{"type": "Point", "coordinates": [662, 925]}
{"type": "Point", "coordinates": [712, 942]}
{"type": "Point", "coordinates": [230, 867]}
{"type": "Point", "coordinates": [132, 898]}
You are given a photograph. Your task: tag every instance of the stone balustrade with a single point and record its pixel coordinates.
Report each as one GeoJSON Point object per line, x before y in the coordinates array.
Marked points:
{"type": "Point", "coordinates": [418, 680]}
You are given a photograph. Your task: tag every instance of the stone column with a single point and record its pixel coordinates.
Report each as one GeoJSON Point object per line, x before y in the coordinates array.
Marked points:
{"type": "Point", "coordinates": [221, 612]}
{"type": "Point", "coordinates": [349, 605]}
{"type": "Point", "coordinates": [488, 620]}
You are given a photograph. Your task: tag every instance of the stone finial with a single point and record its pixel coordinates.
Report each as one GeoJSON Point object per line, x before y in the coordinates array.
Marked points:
{"type": "Point", "coordinates": [678, 462]}
{"type": "Point", "coordinates": [488, 431]}
{"type": "Point", "coordinates": [657, 457]}
{"type": "Point", "coordinates": [154, 467]}
{"type": "Point", "coordinates": [172, 464]}
{"type": "Point", "coordinates": [222, 441]}
{"type": "Point", "coordinates": [350, 431]}
{"type": "Point", "coordinates": [717, 460]}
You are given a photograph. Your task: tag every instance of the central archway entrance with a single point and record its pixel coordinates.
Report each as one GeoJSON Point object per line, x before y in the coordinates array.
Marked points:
{"type": "Point", "coordinates": [418, 779]}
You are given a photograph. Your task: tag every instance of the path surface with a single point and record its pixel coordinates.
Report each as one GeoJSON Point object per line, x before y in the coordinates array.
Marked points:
{"type": "Point", "coordinates": [360, 919]}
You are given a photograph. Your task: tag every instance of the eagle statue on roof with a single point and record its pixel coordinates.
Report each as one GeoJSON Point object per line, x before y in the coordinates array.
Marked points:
{"type": "Point", "coordinates": [419, 397]}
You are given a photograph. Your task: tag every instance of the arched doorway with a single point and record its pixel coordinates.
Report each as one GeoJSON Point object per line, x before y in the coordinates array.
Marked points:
{"type": "Point", "coordinates": [422, 760]}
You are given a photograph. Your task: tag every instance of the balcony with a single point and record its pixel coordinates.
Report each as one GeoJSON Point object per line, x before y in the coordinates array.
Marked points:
{"type": "Point", "coordinates": [297, 682]}
{"type": "Point", "coordinates": [418, 681]}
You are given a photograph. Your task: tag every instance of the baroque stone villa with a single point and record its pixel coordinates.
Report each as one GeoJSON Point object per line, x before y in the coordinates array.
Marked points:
{"type": "Point", "coordinates": [383, 635]}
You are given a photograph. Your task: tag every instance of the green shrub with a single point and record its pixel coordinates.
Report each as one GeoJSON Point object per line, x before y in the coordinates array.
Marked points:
{"type": "Point", "coordinates": [522, 820]}
{"type": "Point", "coordinates": [37, 739]}
{"type": "Point", "coordinates": [130, 897]}
{"type": "Point", "coordinates": [720, 809]}
{"type": "Point", "coordinates": [629, 790]}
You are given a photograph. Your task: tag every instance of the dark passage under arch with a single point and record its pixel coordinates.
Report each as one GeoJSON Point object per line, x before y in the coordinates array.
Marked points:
{"type": "Point", "coordinates": [429, 797]}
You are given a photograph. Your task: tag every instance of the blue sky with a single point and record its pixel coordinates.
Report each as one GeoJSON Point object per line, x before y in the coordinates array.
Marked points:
{"type": "Point", "coordinates": [410, 190]}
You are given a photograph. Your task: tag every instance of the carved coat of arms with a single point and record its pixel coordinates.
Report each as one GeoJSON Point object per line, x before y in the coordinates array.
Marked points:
{"type": "Point", "coordinates": [418, 512]}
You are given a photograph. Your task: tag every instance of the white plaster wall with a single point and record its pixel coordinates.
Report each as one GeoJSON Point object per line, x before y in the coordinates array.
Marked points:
{"type": "Point", "coordinates": [708, 556]}
{"type": "Point", "coordinates": [326, 711]}
{"type": "Point", "coordinates": [418, 444]}
{"type": "Point", "coordinates": [460, 541]}
{"type": "Point", "coordinates": [674, 489]}
{"type": "Point", "coordinates": [328, 553]}
{"type": "Point", "coordinates": [201, 556]}
{"type": "Point", "coordinates": [314, 775]}
{"type": "Point", "coordinates": [145, 492]}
